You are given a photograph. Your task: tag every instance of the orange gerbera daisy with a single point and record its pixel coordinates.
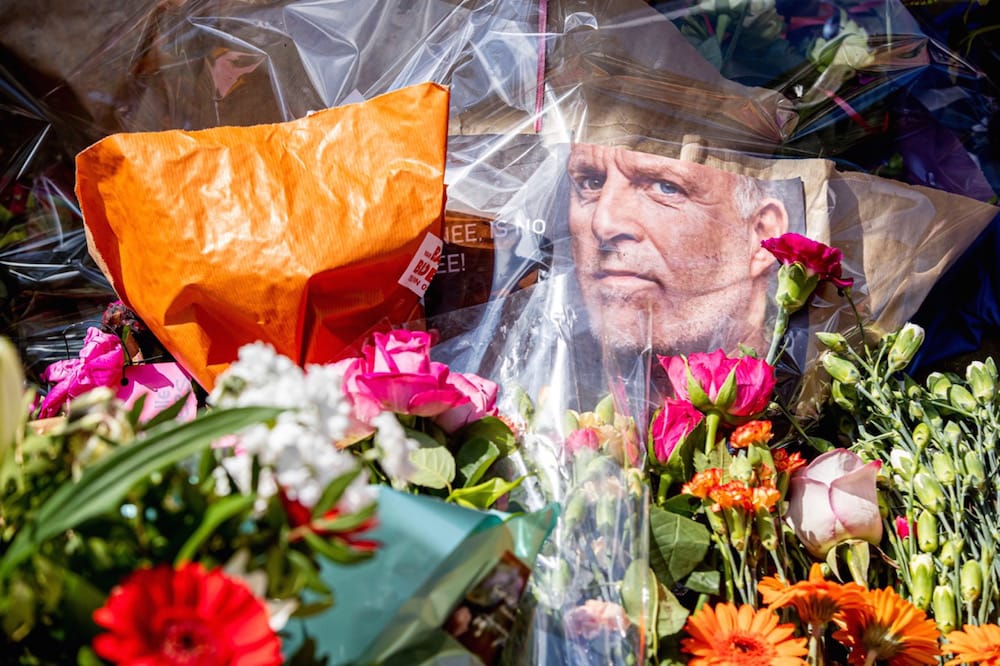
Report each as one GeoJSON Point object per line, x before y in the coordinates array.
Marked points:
{"type": "Point", "coordinates": [889, 628]}
{"type": "Point", "coordinates": [741, 637]}
{"type": "Point", "coordinates": [748, 434]}
{"type": "Point", "coordinates": [816, 600]}
{"type": "Point", "coordinates": [974, 645]}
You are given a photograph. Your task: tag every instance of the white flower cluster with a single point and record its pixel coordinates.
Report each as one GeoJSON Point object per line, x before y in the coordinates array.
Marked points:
{"type": "Point", "coordinates": [298, 454]}
{"type": "Point", "coordinates": [394, 448]}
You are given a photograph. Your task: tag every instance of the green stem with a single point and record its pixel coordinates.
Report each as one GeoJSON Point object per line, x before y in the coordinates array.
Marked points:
{"type": "Point", "coordinates": [661, 492]}
{"type": "Point", "coordinates": [780, 328]}
{"type": "Point", "coordinates": [727, 569]}
{"type": "Point", "coordinates": [711, 430]}
{"type": "Point", "coordinates": [857, 315]}
{"type": "Point", "coordinates": [793, 421]}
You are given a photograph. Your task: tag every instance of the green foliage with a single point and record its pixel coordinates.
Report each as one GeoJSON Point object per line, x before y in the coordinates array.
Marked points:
{"type": "Point", "coordinates": [434, 467]}
{"type": "Point", "coordinates": [677, 545]}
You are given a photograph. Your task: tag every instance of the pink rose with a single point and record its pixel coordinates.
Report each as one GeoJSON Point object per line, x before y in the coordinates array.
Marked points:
{"type": "Point", "coordinates": [482, 401]}
{"type": "Point", "coordinates": [100, 364]}
{"type": "Point", "coordinates": [708, 387]}
{"type": "Point", "coordinates": [584, 438]}
{"type": "Point", "coordinates": [396, 374]}
{"type": "Point", "coordinates": [593, 618]}
{"type": "Point", "coordinates": [671, 425]}
{"type": "Point", "coordinates": [834, 499]}
{"type": "Point", "coordinates": [818, 259]}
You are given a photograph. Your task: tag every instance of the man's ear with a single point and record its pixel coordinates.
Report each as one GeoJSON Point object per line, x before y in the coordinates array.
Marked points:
{"type": "Point", "coordinates": [770, 220]}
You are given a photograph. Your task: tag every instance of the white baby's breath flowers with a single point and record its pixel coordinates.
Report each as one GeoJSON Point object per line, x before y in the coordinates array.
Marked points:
{"type": "Point", "coordinates": [298, 454]}
{"type": "Point", "coordinates": [394, 449]}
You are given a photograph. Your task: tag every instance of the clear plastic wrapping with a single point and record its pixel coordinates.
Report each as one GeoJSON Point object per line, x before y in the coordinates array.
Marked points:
{"type": "Point", "coordinates": [863, 113]}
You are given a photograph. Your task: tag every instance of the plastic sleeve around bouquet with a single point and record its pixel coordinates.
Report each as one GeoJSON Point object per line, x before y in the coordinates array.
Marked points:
{"type": "Point", "coordinates": [580, 408]}
{"type": "Point", "coordinates": [302, 234]}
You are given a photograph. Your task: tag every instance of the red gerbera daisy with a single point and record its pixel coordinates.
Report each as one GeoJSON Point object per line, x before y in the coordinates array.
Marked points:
{"type": "Point", "coordinates": [185, 617]}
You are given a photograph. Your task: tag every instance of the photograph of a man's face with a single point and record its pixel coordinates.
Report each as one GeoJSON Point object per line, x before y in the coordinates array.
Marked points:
{"type": "Point", "coordinates": [668, 251]}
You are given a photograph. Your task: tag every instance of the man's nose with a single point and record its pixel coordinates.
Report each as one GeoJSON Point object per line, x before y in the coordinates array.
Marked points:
{"type": "Point", "coordinates": [616, 216]}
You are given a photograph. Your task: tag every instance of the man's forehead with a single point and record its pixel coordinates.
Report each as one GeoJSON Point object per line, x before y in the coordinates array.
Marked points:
{"type": "Point", "coordinates": [591, 156]}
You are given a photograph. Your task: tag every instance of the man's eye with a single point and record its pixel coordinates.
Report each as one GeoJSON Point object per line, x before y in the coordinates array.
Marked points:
{"type": "Point", "coordinates": [666, 187]}
{"type": "Point", "coordinates": [590, 183]}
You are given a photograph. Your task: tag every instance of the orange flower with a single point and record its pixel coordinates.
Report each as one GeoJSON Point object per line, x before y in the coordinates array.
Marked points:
{"type": "Point", "coordinates": [748, 434]}
{"type": "Point", "coordinates": [741, 637]}
{"type": "Point", "coordinates": [703, 482]}
{"type": "Point", "coordinates": [784, 462]}
{"type": "Point", "coordinates": [890, 629]}
{"type": "Point", "coordinates": [733, 494]}
{"type": "Point", "coordinates": [765, 496]}
{"type": "Point", "coordinates": [974, 645]}
{"type": "Point", "coordinates": [816, 600]}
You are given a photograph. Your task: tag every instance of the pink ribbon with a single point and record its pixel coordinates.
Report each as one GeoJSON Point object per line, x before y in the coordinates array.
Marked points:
{"type": "Point", "coordinates": [100, 364]}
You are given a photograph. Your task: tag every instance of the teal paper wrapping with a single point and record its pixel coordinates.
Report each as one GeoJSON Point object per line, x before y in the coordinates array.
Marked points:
{"type": "Point", "coordinates": [390, 608]}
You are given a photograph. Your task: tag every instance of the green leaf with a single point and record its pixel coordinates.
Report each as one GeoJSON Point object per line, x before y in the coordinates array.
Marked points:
{"type": "Point", "coordinates": [639, 594]}
{"type": "Point", "coordinates": [425, 440]}
{"type": "Point", "coordinates": [435, 467]}
{"type": "Point", "coordinates": [493, 430]}
{"type": "Point", "coordinates": [677, 545]}
{"type": "Point", "coordinates": [309, 575]}
{"type": "Point", "coordinates": [485, 494]}
{"type": "Point", "coordinates": [215, 515]}
{"type": "Point", "coordinates": [670, 613]}
{"type": "Point", "coordinates": [820, 444]}
{"type": "Point", "coordinates": [344, 523]}
{"type": "Point", "coordinates": [136, 410]}
{"type": "Point", "coordinates": [683, 505]}
{"type": "Point", "coordinates": [525, 407]}
{"type": "Point", "coordinates": [19, 615]}
{"type": "Point", "coordinates": [474, 458]}
{"type": "Point", "coordinates": [335, 549]}
{"type": "Point", "coordinates": [719, 457]}
{"type": "Point", "coordinates": [705, 581]}
{"type": "Point", "coordinates": [106, 482]}
{"type": "Point", "coordinates": [334, 492]}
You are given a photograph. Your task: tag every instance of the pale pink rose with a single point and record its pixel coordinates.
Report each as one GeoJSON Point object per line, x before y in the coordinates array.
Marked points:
{"type": "Point", "coordinates": [396, 374]}
{"type": "Point", "coordinates": [594, 618]}
{"type": "Point", "coordinates": [818, 259]}
{"type": "Point", "coordinates": [672, 424]}
{"type": "Point", "coordinates": [834, 499]}
{"type": "Point", "coordinates": [482, 395]}
{"type": "Point", "coordinates": [754, 383]}
{"type": "Point", "coordinates": [100, 364]}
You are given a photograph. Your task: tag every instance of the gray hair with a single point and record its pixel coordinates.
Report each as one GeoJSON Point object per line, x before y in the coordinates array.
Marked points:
{"type": "Point", "coordinates": [747, 195]}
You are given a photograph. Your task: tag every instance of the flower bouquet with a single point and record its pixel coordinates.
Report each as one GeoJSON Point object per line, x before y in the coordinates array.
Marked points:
{"type": "Point", "coordinates": [908, 476]}
{"type": "Point", "coordinates": [224, 538]}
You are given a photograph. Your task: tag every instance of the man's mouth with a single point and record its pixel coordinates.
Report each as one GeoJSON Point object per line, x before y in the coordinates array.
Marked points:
{"type": "Point", "coordinates": [614, 276]}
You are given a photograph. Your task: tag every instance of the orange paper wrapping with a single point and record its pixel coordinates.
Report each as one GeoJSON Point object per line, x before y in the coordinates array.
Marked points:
{"type": "Point", "coordinates": [296, 234]}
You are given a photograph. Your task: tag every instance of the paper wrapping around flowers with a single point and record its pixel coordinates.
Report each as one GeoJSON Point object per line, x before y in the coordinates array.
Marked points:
{"type": "Point", "coordinates": [297, 234]}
